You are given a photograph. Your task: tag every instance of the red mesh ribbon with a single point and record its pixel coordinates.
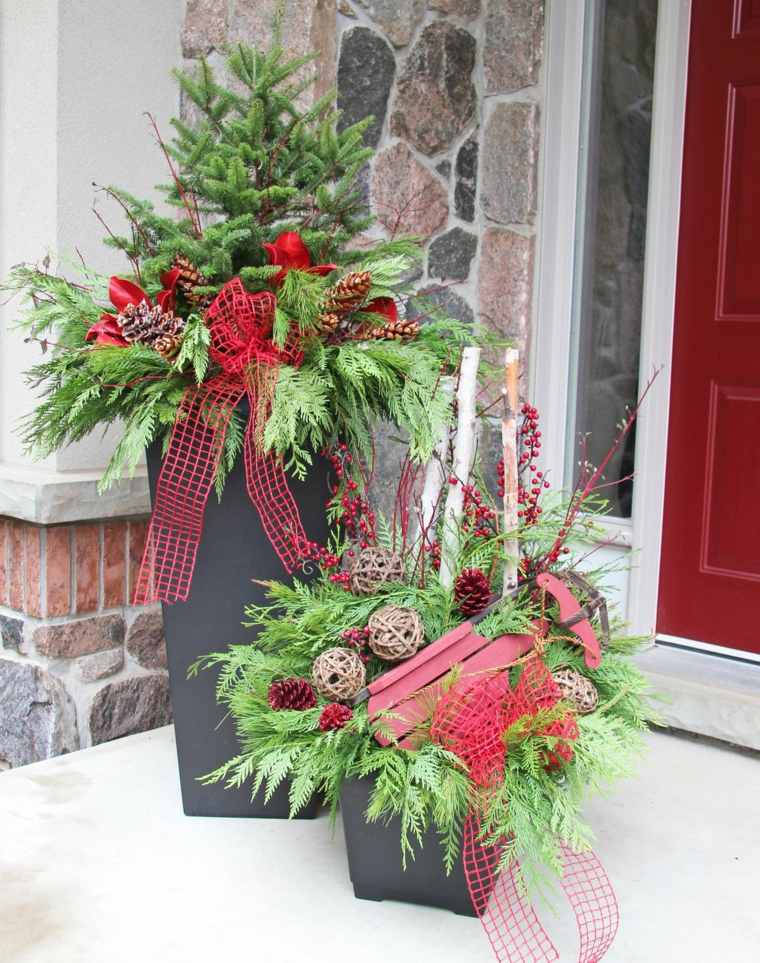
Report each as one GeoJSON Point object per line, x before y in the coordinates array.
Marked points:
{"type": "Point", "coordinates": [241, 325]}
{"type": "Point", "coordinates": [470, 721]}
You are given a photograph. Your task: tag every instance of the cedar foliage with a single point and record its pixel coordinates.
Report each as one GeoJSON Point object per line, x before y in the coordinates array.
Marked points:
{"type": "Point", "coordinates": [535, 809]}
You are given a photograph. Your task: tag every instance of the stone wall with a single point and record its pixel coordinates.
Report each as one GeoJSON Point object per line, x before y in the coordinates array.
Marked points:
{"type": "Point", "coordinates": [455, 87]}
{"type": "Point", "coordinates": [78, 665]}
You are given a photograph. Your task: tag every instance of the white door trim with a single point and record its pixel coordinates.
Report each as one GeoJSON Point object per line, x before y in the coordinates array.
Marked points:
{"type": "Point", "coordinates": [557, 253]}
{"type": "Point", "coordinates": [663, 213]}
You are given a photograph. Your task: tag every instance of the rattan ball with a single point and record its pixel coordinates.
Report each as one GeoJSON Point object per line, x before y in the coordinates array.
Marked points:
{"type": "Point", "coordinates": [338, 674]}
{"type": "Point", "coordinates": [395, 632]}
{"type": "Point", "coordinates": [577, 689]}
{"type": "Point", "coordinates": [372, 567]}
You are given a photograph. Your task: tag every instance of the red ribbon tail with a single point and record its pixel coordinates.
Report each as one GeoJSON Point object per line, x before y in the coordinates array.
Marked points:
{"type": "Point", "coordinates": [592, 897]}
{"type": "Point", "coordinates": [184, 485]}
{"type": "Point", "coordinates": [509, 920]}
{"type": "Point", "coordinates": [513, 929]}
{"type": "Point", "coordinates": [269, 491]}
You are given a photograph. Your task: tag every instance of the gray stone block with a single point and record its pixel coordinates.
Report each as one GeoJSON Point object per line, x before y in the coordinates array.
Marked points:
{"type": "Point", "coordinates": [451, 254]}
{"type": "Point", "coordinates": [67, 640]}
{"type": "Point", "coordinates": [435, 95]}
{"type": "Point", "coordinates": [366, 69]}
{"type": "Point", "coordinates": [146, 642]}
{"type": "Point", "coordinates": [510, 155]}
{"type": "Point", "coordinates": [133, 705]}
{"type": "Point", "coordinates": [37, 716]}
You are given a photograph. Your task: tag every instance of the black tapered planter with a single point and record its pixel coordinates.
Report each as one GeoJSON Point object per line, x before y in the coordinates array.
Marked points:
{"type": "Point", "coordinates": [374, 859]}
{"type": "Point", "coordinates": [233, 550]}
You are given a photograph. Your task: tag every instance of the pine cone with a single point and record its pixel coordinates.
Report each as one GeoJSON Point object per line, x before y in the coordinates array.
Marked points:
{"type": "Point", "coordinates": [291, 694]}
{"type": "Point", "coordinates": [189, 278]}
{"type": "Point", "coordinates": [347, 294]}
{"type": "Point", "coordinates": [168, 345]}
{"type": "Point", "coordinates": [143, 324]}
{"type": "Point", "coordinates": [334, 716]}
{"type": "Point", "coordinates": [393, 331]}
{"type": "Point", "coordinates": [328, 322]}
{"type": "Point", "coordinates": [472, 591]}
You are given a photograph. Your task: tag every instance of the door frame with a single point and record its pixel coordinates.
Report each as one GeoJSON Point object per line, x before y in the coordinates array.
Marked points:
{"type": "Point", "coordinates": [560, 240]}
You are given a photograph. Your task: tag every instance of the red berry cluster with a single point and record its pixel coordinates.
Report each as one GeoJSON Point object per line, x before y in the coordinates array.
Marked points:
{"type": "Point", "coordinates": [355, 514]}
{"type": "Point", "coordinates": [478, 518]}
{"type": "Point", "coordinates": [531, 480]}
{"type": "Point", "coordinates": [358, 639]}
{"type": "Point", "coordinates": [334, 716]}
{"type": "Point", "coordinates": [342, 578]}
{"type": "Point", "coordinates": [434, 548]}
{"type": "Point", "coordinates": [314, 552]}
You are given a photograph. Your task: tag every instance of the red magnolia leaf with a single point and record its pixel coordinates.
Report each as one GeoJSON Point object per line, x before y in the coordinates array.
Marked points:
{"type": "Point", "coordinates": [385, 306]}
{"type": "Point", "coordinates": [289, 252]}
{"type": "Point", "coordinates": [123, 292]}
{"type": "Point", "coordinates": [107, 331]}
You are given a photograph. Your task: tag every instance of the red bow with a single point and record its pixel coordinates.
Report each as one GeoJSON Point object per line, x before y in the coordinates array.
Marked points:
{"type": "Point", "coordinates": [470, 721]}
{"type": "Point", "coordinates": [290, 253]}
{"type": "Point", "coordinates": [123, 293]}
{"type": "Point", "coordinates": [240, 324]}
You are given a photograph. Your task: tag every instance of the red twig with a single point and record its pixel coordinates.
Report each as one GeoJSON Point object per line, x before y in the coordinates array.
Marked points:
{"type": "Point", "coordinates": [590, 483]}
{"type": "Point", "coordinates": [191, 208]}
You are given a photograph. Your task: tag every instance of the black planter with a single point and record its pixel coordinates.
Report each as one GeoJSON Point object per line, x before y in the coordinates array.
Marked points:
{"type": "Point", "coordinates": [374, 859]}
{"type": "Point", "coordinates": [233, 550]}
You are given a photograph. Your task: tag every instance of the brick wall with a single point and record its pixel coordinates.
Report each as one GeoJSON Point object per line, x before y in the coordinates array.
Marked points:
{"type": "Point", "coordinates": [79, 665]}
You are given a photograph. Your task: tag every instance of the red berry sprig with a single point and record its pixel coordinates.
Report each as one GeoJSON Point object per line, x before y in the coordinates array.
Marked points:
{"type": "Point", "coordinates": [354, 511]}
{"type": "Point", "coordinates": [358, 639]}
{"type": "Point", "coordinates": [531, 481]}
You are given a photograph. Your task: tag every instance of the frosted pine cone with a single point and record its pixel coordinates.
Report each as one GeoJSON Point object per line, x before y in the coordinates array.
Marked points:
{"type": "Point", "coordinates": [472, 591]}
{"type": "Point", "coordinates": [291, 693]}
{"type": "Point", "coordinates": [144, 324]}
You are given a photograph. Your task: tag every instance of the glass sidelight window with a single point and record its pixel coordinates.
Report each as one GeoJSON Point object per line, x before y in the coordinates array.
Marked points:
{"type": "Point", "coordinates": [612, 217]}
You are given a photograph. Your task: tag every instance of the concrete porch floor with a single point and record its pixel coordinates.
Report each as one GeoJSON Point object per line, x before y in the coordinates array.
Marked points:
{"type": "Point", "coordinates": [98, 865]}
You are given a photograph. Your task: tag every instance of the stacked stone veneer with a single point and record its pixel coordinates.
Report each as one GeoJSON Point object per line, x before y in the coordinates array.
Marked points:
{"type": "Point", "coordinates": [78, 665]}
{"type": "Point", "coordinates": [455, 87]}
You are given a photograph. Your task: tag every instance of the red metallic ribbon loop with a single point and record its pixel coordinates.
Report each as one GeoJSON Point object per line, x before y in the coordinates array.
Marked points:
{"type": "Point", "coordinates": [470, 721]}
{"type": "Point", "coordinates": [241, 328]}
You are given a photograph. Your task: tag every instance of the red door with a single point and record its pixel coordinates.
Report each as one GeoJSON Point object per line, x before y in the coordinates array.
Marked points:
{"type": "Point", "coordinates": [710, 570]}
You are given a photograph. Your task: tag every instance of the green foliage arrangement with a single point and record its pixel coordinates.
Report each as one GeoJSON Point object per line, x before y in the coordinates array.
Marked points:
{"type": "Point", "coordinates": [252, 169]}
{"type": "Point", "coordinates": [535, 807]}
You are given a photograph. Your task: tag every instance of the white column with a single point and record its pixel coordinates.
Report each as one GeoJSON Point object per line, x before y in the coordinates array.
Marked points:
{"type": "Point", "coordinates": [76, 77]}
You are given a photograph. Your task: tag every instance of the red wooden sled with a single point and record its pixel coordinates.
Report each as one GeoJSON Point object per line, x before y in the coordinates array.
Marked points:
{"type": "Point", "coordinates": [398, 690]}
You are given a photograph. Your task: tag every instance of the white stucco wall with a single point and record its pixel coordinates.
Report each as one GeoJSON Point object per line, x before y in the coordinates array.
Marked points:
{"type": "Point", "coordinates": [76, 77]}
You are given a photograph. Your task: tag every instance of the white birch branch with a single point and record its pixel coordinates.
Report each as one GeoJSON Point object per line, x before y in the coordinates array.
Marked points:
{"type": "Point", "coordinates": [435, 470]}
{"type": "Point", "coordinates": [509, 454]}
{"type": "Point", "coordinates": [464, 452]}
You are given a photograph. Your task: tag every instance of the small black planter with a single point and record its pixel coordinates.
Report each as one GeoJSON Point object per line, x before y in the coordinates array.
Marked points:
{"type": "Point", "coordinates": [374, 859]}
{"type": "Point", "coordinates": [233, 550]}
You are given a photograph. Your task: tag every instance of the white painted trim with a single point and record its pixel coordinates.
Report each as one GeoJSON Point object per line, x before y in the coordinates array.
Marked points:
{"type": "Point", "coordinates": [557, 253]}
{"type": "Point", "coordinates": [708, 647]}
{"type": "Point", "coordinates": [669, 103]}
{"type": "Point", "coordinates": [49, 497]}
{"type": "Point", "coordinates": [549, 373]}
